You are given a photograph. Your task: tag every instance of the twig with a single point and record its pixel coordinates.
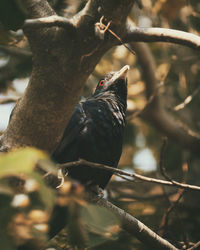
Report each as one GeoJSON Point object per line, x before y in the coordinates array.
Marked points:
{"type": "Point", "coordinates": [133, 175]}
{"type": "Point", "coordinates": [165, 217]}
{"type": "Point", "coordinates": [186, 101]}
{"type": "Point", "coordinates": [161, 160]}
{"type": "Point", "coordinates": [103, 28]}
{"type": "Point", "coordinates": [195, 246]}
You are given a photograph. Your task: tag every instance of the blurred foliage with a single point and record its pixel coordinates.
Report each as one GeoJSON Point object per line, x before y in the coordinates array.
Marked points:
{"type": "Point", "coordinates": [178, 67]}
{"type": "Point", "coordinates": [27, 204]}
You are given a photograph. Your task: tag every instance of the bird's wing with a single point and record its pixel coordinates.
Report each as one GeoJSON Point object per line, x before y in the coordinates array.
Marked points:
{"type": "Point", "coordinates": [71, 136]}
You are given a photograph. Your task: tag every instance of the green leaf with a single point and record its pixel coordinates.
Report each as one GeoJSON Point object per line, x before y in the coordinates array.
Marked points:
{"type": "Point", "coordinates": [21, 160]}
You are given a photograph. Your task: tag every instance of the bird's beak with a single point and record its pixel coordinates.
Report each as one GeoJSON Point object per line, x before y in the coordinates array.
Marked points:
{"type": "Point", "coordinates": [121, 74]}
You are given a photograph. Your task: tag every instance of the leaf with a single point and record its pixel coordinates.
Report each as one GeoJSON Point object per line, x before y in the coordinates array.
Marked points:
{"type": "Point", "coordinates": [24, 161]}
{"type": "Point", "coordinates": [101, 224]}
{"type": "Point", "coordinates": [21, 160]}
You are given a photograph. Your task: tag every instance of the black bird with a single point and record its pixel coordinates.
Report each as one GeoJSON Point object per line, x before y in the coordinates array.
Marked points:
{"type": "Point", "coordinates": [95, 130]}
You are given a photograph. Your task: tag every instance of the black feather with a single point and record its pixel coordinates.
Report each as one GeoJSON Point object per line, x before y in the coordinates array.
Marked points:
{"type": "Point", "coordinates": [95, 130]}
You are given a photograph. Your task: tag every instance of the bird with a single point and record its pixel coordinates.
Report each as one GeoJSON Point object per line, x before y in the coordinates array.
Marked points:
{"type": "Point", "coordinates": [95, 130]}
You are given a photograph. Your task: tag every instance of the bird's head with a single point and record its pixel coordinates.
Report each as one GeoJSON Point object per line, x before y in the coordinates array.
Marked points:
{"type": "Point", "coordinates": [113, 82]}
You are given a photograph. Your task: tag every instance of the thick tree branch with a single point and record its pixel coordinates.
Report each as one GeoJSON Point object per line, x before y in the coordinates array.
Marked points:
{"type": "Point", "coordinates": [135, 34]}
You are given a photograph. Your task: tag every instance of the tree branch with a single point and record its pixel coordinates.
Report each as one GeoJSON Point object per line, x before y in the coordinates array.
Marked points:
{"type": "Point", "coordinates": [137, 228]}
{"type": "Point", "coordinates": [132, 175]}
{"type": "Point", "coordinates": [196, 246]}
{"type": "Point", "coordinates": [135, 34]}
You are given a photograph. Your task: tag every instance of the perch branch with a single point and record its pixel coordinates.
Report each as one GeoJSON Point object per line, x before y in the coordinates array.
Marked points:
{"type": "Point", "coordinates": [132, 175]}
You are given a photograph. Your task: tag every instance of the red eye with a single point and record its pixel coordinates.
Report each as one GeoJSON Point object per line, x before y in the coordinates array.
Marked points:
{"type": "Point", "coordinates": [101, 83]}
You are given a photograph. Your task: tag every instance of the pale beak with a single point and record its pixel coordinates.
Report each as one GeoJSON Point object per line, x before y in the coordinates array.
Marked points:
{"type": "Point", "coordinates": [121, 74]}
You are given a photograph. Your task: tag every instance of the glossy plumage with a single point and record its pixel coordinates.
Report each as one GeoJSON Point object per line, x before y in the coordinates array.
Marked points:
{"type": "Point", "coordinates": [95, 130]}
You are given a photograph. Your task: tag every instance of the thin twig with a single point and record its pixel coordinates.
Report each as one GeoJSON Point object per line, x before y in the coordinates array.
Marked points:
{"type": "Point", "coordinates": [103, 28]}
{"type": "Point", "coordinates": [133, 175]}
{"type": "Point", "coordinates": [165, 217]}
{"type": "Point", "coordinates": [161, 160]}
{"type": "Point", "coordinates": [187, 100]}
{"type": "Point", "coordinates": [196, 246]}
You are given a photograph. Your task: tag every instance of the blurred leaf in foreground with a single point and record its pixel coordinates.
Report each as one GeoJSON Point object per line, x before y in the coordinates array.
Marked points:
{"type": "Point", "coordinates": [22, 160]}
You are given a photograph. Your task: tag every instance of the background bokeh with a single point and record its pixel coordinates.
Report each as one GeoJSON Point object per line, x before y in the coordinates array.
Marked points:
{"type": "Point", "coordinates": [171, 213]}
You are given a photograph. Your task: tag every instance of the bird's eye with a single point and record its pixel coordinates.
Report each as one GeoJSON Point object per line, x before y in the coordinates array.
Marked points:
{"type": "Point", "coordinates": [101, 83]}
